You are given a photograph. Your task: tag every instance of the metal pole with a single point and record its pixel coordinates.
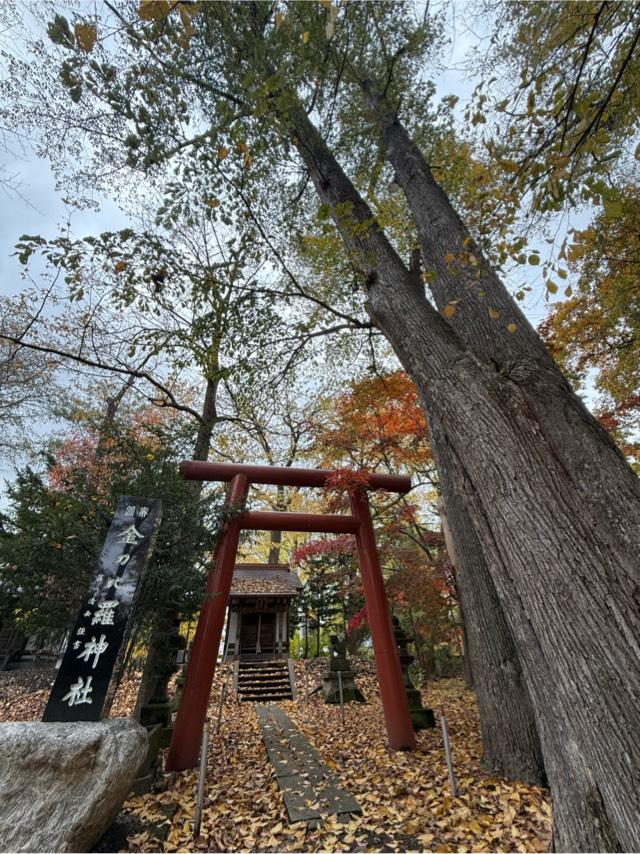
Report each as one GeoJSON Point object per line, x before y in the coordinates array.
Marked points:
{"type": "Point", "coordinates": [392, 691]}
{"type": "Point", "coordinates": [204, 753]}
{"type": "Point", "coordinates": [447, 752]}
{"type": "Point", "coordinates": [183, 752]}
{"type": "Point", "coordinates": [223, 694]}
{"type": "Point", "coordinates": [341, 696]}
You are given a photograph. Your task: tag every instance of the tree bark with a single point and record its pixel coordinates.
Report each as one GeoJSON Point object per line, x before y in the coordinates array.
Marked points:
{"type": "Point", "coordinates": [276, 536]}
{"type": "Point", "coordinates": [510, 742]}
{"type": "Point", "coordinates": [566, 576]}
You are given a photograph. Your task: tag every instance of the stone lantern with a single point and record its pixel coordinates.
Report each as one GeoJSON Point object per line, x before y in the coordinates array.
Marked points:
{"type": "Point", "coordinates": [422, 718]}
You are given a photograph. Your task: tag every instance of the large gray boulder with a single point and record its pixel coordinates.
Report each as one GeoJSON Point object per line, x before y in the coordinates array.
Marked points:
{"type": "Point", "coordinates": [61, 784]}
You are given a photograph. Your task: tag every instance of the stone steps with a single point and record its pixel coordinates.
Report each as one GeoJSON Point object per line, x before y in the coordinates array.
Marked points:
{"type": "Point", "coordinates": [262, 681]}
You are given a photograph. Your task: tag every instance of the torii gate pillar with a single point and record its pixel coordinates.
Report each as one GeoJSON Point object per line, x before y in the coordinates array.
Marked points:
{"type": "Point", "coordinates": [392, 691]}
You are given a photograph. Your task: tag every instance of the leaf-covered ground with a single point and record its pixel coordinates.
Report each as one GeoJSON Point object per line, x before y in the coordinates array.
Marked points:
{"type": "Point", "coordinates": [406, 799]}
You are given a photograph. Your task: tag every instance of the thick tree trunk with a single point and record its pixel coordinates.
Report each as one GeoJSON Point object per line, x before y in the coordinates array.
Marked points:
{"type": "Point", "coordinates": [511, 747]}
{"type": "Point", "coordinates": [276, 536]}
{"type": "Point", "coordinates": [570, 600]}
{"type": "Point", "coordinates": [566, 575]}
{"type": "Point", "coordinates": [508, 723]}
{"type": "Point", "coordinates": [595, 465]}
{"type": "Point", "coordinates": [467, 668]}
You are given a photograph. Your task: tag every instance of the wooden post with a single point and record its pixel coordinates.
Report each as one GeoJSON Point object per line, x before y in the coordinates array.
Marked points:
{"type": "Point", "coordinates": [394, 697]}
{"type": "Point", "coordinates": [183, 752]}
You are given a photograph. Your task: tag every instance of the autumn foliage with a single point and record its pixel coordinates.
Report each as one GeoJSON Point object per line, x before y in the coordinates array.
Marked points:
{"type": "Point", "coordinates": [377, 423]}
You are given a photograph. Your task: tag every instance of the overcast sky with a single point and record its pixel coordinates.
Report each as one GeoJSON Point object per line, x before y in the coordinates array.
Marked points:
{"type": "Point", "coordinates": [39, 208]}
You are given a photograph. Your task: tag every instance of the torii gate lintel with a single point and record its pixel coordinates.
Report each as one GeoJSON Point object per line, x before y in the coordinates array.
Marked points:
{"type": "Point", "coordinates": [191, 716]}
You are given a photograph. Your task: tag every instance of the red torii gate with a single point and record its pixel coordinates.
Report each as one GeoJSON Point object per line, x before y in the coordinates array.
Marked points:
{"type": "Point", "coordinates": [185, 744]}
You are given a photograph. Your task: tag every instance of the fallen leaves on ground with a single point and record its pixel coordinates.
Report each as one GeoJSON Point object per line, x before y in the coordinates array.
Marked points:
{"type": "Point", "coordinates": [24, 694]}
{"type": "Point", "coordinates": [405, 797]}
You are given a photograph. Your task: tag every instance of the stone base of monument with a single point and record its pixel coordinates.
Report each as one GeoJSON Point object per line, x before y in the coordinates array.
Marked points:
{"type": "Point", "coordinates": [155, 717]}
{"type": "Point", "coordinates": [152, 714]}
{"type": "Point", "coordinates": [331, 688]}
{"type": "Point", "coordinates": [148, 770]}
{"type": "Point", "coordinates": [61, 784]}
{"type": "Point", "coordinates": [422, 718]}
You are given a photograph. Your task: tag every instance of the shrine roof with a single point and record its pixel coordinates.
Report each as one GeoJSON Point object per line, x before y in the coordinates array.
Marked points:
{"type": "Point", "coordinates": [264, 579]}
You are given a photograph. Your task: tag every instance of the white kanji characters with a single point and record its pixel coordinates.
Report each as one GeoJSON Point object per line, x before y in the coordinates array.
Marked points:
{"type": "Point", "coordinates": [79, 692]}
{"type": "Point", "coordinates": [91, 601]}
{"type": "Point", "coordinates": [143, 512]}
{"type": "Point", "coordinates": [113, 582]}
{"type": "Point", "coordinates": [130, 536]}
{"type": "Point", "coordinates": [123, 560]}
{"type": "Point", "coordinates": [76, 644]}
{"type": "Point", "coordinates": [81, 631]}
{"type": "Point", "coordinates": [104, 613]}
{"type": "Point", "coordinates": [87, 614]}
{"type": "Point", "coordinates": [94, 648]}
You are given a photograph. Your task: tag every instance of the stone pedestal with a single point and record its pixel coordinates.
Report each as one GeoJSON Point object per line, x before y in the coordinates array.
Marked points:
{"type": "Point", "coordinates": [339, 663]}
{"type": "Point", "coordinates": [422, 718]}
{"type": "Point", "coordinates": [61, 784]}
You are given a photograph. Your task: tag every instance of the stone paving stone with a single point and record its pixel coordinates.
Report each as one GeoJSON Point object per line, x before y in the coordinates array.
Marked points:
{"type": "Point", "coordinates": [310, 789]}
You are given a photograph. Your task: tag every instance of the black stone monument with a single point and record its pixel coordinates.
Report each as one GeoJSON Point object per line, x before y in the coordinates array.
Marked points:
{"type": "Point", "coordinates": [81, 689]}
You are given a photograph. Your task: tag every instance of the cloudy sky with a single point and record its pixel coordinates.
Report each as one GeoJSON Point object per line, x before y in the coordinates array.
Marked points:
{"type": "Point", "coordinates": [37, 208]}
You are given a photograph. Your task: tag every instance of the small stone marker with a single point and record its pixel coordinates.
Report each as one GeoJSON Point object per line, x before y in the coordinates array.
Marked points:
{"type": "Point", "coordinates": [340, 673]}
{"type": "Point", "coordinates": [80, 692]}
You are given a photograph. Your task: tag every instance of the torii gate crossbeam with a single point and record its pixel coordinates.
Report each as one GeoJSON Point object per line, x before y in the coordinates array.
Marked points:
{"type": "Point", "coordinates": [192, 712]}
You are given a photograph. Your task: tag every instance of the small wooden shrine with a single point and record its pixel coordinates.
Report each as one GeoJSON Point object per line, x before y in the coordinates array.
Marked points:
{"type": "Point", "coordinates": [258, 614]}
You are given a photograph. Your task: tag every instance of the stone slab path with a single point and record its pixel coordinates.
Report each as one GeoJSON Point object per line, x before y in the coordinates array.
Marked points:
{"type": "Point", "coordinates": [311, 790]}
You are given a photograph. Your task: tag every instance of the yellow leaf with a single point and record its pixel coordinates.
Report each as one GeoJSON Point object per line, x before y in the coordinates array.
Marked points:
{"type": "Point", "coordinates": [552, 287]}
{"type": "Point", "coordinates": [86, 35]}
{"type": "Point", "coordinates": [121, 266]}
{"type": "Point", "coordinates": [305, 37]}
{"type": "Point", "coordinates": [248, 160]}
{"type": "Point", "coordinates": [279, 20]}
{"type": "Point", "coordinates": [511, 327]}
{"type": "Point", "coordinates": [153, 10]}
{"type": "Point", "coordinates": [449, 310]}
{"type": "Point", "coordinates": [223, 153]}
{"type": "Point", "coordinates": [213, 203]}
{"type": "Point", "coordinates": [494, 314]}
